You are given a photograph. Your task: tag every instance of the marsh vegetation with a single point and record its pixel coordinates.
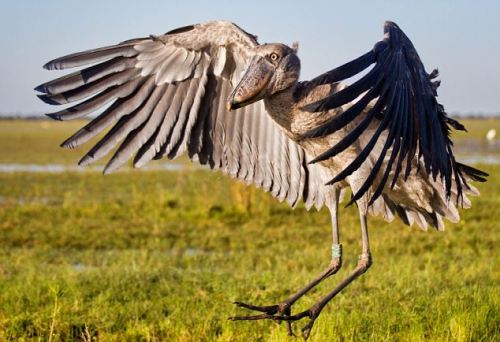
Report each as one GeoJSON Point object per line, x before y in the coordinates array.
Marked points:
{"type": "Point", "coordinates": [161, 255]}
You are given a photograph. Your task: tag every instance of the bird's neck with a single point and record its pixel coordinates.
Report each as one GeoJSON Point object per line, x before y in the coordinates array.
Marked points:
{"type": "Point", "coordinates": [280, 107]}
{"type": "Point", "coordinates": [285, 108]}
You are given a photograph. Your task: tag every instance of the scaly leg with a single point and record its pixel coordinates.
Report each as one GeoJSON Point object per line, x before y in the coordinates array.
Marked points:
{"type": "Point", "coordinates": [284, 308]}
{"type": "Point", "coordinates": [313, 312]}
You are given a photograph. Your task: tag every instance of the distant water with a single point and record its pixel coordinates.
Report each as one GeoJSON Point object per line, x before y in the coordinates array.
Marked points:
{"type": "Point", "coordinates": [60, 168]}
{"type": "Point", "coordinates": [471, 159]}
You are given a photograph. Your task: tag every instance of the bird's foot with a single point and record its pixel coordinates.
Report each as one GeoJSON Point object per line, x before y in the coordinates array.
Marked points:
{"type": "Point", "coordinates": [268, 312]}
{"type": "Point", "coordinates": [280, 313]}
{"type": "Point", "coordinates": [311, 313]}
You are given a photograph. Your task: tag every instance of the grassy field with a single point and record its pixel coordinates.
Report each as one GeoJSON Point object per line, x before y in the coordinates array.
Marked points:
{"type": "Point", "coordinates": [161, 256]}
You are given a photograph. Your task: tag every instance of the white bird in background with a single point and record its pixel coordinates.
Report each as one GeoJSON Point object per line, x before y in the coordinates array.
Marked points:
{"type": "Point", "coordinates": [384, 136]}
{"type": "Point", "coordinates": [492, 133]}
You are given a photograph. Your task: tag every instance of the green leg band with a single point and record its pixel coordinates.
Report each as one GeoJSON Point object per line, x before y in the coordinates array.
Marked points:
{"type": "Point", "coordinates": [336, 251]}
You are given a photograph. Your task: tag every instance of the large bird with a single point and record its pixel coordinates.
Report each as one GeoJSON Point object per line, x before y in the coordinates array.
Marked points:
{"type": "Point", "coordinates": [212, 91]}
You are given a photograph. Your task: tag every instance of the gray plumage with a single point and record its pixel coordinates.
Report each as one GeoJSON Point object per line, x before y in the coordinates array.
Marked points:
{"type": "Point", "coordinates": [211, 91]}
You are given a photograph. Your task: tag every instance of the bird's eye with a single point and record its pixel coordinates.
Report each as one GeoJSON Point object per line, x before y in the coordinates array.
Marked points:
{"type": "Point", "coordinates": [274, 56]}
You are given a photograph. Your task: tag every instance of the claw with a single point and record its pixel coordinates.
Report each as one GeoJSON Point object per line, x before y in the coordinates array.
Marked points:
{"type": "Point", "coordinates": [306, 330]}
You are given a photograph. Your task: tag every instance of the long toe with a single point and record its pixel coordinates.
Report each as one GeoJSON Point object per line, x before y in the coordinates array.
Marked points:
{"type": "Point", "coordinates": [291, 318]}
{"type": "Point", "coordinates": [289, 329]}
{"type": "Point", "coordinates": [251, 317]}
{"type": "Point", "coordinates": [269, 309]}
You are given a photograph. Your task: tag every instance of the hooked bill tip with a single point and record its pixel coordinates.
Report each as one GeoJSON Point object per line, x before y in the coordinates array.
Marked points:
{"type": "Point", "coordinates": [229, 106]}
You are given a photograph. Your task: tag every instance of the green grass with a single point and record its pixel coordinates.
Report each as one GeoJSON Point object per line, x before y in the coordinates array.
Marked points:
{"type": "Point", "coordinates": [37, 142]}
{"type": "Point", "coordinates": [162, 255]}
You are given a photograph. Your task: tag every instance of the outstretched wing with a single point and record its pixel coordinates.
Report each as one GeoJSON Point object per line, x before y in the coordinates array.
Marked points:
{"type": "Point", "coordinates": [165, 95]}
{"type": "Point", "coordinates": [398, 94]}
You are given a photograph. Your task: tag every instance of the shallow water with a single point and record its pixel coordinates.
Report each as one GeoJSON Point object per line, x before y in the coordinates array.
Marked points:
{"type": "Point", "coordinates": [492, 159]}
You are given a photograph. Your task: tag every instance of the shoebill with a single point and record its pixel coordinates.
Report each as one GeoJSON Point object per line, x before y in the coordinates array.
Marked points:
{"type": "Point", "coordinates": [211, 91]}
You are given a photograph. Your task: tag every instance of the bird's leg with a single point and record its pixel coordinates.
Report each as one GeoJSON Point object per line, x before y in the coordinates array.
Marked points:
{"type": "Point", "coordinates": [284, 308]}
{"type": "Point", "coordinates": [364, 263]}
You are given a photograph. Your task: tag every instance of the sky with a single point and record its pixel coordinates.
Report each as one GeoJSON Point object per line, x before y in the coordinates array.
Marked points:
{"type": "Point", "coordinates": [461, 38]}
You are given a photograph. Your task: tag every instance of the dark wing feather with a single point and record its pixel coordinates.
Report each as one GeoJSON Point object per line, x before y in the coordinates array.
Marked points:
{"type": "Point", "coordinates": [406, 106]}
{"type": "Point", "coordinates": [167, 96]}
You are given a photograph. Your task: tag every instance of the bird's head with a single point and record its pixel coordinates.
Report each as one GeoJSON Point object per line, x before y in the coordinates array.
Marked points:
{"type": "Point", "coordinates": [273, 68]}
